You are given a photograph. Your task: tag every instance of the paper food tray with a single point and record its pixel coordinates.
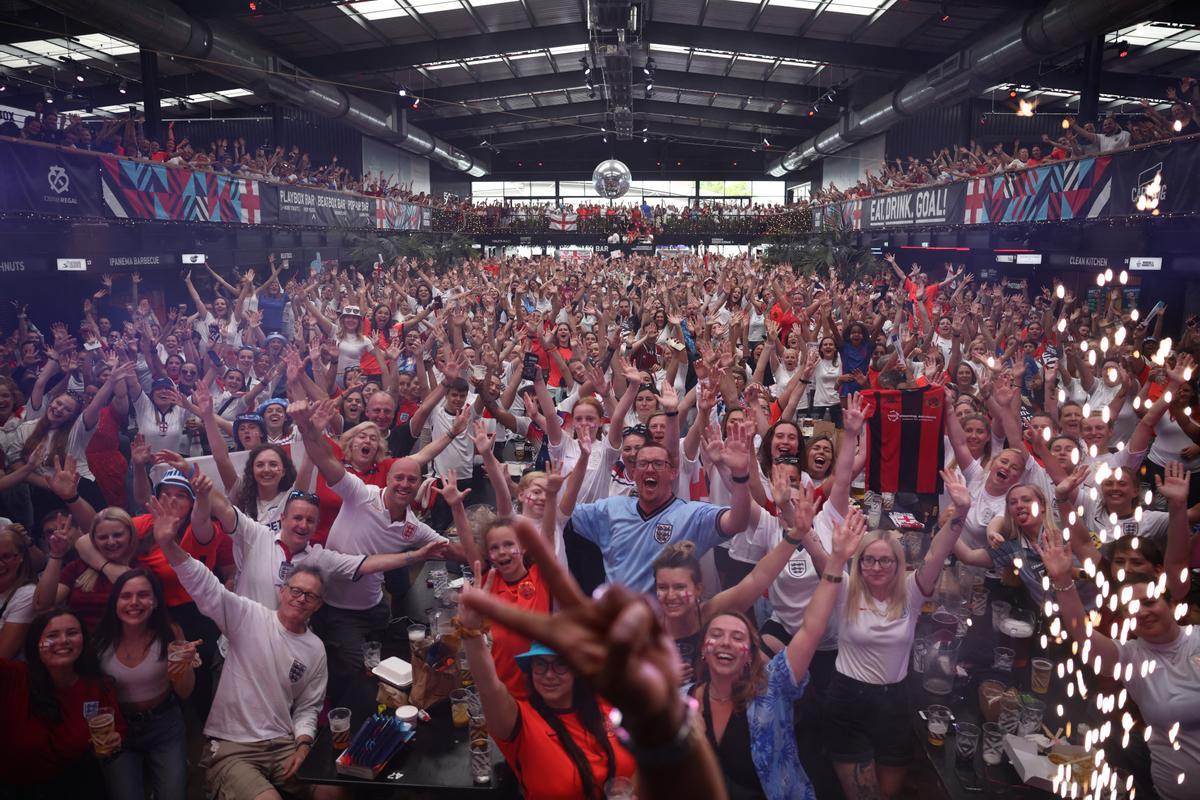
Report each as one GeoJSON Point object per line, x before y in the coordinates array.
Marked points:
{"type": "Point", "coordinates": [1035, 769]}
{"type": "Point", "coordinates": [395, 671]}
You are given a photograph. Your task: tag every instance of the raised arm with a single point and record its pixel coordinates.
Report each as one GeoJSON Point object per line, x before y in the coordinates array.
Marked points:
{"type": "Point", "coordinates": [316, 448]}
{"type": "Point", "coordinates": [1056, 556]}
{"type": "Point", "coordinates": [943, 542]}
{"type": "Point", "coordinates": [846, 538]}
{"type": "Point", "coordinates": [1174, 487]}
{"type": "Point", "coordinates": [739, 458]}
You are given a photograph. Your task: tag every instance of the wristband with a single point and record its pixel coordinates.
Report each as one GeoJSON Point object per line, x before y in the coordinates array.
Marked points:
{"type": "Point", "coordinates": [803, 380]}
{"type": "Point", "coordinates": [52, 556]}
{"type": "Point", "coordinates": [1066, 588]}
{"type": "Point", "coordinates": [740, 478]}
{"type": "Point", "coordinates": [828, 578]}
{"type": "Point", "coordinates": [790, 540]}
{"type": "Point", "coordinates": [70, 500]}
{"type": "Point", "coordinates": [670, 413]}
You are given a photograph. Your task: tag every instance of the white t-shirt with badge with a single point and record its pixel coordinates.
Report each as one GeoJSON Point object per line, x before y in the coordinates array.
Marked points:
{"type": "Point", "coordinates": [16, 605]}
{"type": "Point", "coordinates": [872, 648]}
{"type": "Point", "coordinates": [984, 506]}
{"type": "Point", "coordinates": [792, 590]}
{"type": "Point", "coordinates": [1168, 696]}
{"type": "Point", "coordinates": [161, 430]}
{"type": "Point", "coordinates": [364, 526]}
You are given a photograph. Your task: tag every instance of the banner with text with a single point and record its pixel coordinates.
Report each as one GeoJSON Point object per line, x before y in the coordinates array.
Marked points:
{"type": "Point", "coordinates": [47, 180]}
{"type": "Point", "coordinates": [937, 205]}
{"type": "Point", "coordinates": [297, 206]}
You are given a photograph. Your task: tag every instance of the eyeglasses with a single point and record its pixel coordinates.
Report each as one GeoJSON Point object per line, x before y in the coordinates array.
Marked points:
{"type": "Point", "coordinates": [883, 562]}
{"type": "Point", "coordinates": [543, 665]}
{"type": "Point", "coordinates": [296, 592]}
{"type": "Point", "coordinates": [10, 557]}
{"type": "Point", "coordinates": [657, 463]}
{"type": "Point", "coordinates": [309, 496]}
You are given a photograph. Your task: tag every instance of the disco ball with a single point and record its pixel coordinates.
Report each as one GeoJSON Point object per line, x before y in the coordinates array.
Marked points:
{"type": "Point", "coordinates": [611, 179]}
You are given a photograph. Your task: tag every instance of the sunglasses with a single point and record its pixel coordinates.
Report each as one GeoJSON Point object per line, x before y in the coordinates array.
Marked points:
{"type": "Point", "coordinates": [640, 430]}
{"type": "Point", "coordinates": [309, 496]}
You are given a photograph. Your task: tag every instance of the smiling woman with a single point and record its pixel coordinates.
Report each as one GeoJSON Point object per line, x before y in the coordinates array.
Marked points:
{"type": "Point", "coordinates": [46, 705]}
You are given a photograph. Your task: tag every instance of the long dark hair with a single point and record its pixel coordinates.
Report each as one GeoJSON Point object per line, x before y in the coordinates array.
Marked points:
{"type": "Point", "coordinates": [247, 499]}
{"type": "Point", "coordinates": [43, 697]}
{"type": "Point", "coordinates": [110, 630]}
{"type": "Point", "coordinates": [584, 704]}
{"type": "Point", "coordinates": [764, 450]}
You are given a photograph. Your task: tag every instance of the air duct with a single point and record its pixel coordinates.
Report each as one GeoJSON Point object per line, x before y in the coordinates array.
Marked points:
{"type": "Point", "coordinates": [1059, 26]}
{"type": "Point", "coordinates": [167, 28]}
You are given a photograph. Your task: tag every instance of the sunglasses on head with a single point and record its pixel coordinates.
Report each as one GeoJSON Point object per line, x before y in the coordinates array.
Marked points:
{"type": "Point", "coordinates": [640, 430]}
{"type": "Point", "coordinates": [309, 496]}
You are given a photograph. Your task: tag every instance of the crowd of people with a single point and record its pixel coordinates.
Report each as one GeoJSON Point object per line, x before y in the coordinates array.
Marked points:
{"type": "Point", "coordinates": [1076, 141]}
{"type": "Point", "coordinates": [663, 475]}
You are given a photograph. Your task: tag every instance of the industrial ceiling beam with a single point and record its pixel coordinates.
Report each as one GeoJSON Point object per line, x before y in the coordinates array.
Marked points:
{"type": "Point", "coordinates": [664, 80]}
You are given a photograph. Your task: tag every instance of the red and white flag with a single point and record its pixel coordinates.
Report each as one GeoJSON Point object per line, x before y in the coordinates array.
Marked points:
{"type": "Point", "coordinates": [563, 220]}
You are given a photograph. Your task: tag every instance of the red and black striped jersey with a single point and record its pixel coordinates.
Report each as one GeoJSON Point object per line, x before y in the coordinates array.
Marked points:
{"type": "Point", "coordinates": [905, 446]}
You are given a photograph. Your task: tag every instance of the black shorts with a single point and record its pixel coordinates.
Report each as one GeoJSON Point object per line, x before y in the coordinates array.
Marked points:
{"type": "Point", "coordinates": [867, 722]}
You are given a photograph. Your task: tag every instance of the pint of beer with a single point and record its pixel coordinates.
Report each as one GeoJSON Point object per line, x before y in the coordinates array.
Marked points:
{"type": "Point", "coordinates": [1016, 632]}
{"type": "Point", "coordinates": [101, 726]}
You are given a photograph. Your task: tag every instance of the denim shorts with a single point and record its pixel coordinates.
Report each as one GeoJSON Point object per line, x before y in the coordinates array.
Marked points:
{"type": "Point", "coordinates": [867, 722]}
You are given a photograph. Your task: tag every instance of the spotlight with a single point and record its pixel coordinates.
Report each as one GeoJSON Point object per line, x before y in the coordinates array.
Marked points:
{"type": "Point", "coordinates": [1176, 126]}
{"type": "Point", "coordinates": [1122, 49]}
{"type": "Point", "coordinates": [123, 86]}
{"type": "Point", "coordinates": [605, 139]}
{"type": "Point", "coordinates": [1066, 123]}
{"type": "Point", "coordinates": [945, 13]}
{"type": "Point", "coordinates": [645, 139]}
{"type": "Point", "coordinates": [649, 86]}
{"type": "Point", "coordinates": [649, 68]}
{"type": "Point", "coordinates": [48, 96]}
{"type": "Point", "coordinates": [416, 103]}
{"type": "Point", "coordinates": [766, 142]}
{"type": "Point", "coordinates": [812, 110]}
{"type": "Point", "coordinates": [587, 69]}
{"type": "Point", "coordinates": [1024, 108]}
{"type": "Point", "coordinates": [3, 85]}
{"type": "Point", "coordinates": [402, 91]}
{"type": "Point", "coordinates": [253, 6]}
{"type": "Point", "coordinates": [1012, 91]}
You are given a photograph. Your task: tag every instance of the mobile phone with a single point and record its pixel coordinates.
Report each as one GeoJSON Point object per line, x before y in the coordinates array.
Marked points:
{"type": "Point", "coordinates": [478, 372]}
{"type": "Point", "coordinates": [530, 368]}
{"type": "Point", "coordinates": [437, 303]}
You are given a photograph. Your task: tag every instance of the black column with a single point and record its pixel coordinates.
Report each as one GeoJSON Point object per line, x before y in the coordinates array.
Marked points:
{"type": "Point", "coordinates": [276, 124]}
{"type": "Point", "coordinates": [152, 111]}
{"type": "Point", "coordinates": [1089, 96]}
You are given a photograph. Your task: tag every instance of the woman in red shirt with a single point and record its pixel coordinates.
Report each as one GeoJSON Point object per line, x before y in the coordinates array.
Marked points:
{"type": "Point", "coordinates": [45, 704]}
{"type": "Point", "coordinates": [557, 742]}
{"type": "Point", "coordinates": [519, 583]}
{"type": "Point", "coordinates": [78, 586]}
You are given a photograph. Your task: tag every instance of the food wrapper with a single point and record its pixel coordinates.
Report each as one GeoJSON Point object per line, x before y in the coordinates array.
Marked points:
{"type": "Point", "coordinates": [994, 697]}
{"type": "Point", "coordinates": [390, 696]}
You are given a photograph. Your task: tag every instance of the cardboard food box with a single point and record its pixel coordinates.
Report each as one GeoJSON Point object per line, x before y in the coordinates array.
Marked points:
{"type": "Point", "coordinates": [1035, 769]}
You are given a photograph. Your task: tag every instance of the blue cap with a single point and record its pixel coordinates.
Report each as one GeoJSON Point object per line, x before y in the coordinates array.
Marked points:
{"type": "Point", "coordinates": [161, 383]}
{"type": "Point", "coordinates": [271, 401]}
{"type": "Point", "coordinates": [174, 477]}
{"type": "Point", "coordinates": [250, 419]}
{"type": "Point", "coordinates": [536, 649]}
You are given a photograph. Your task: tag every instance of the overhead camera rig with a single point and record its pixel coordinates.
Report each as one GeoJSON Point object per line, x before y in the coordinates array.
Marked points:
{"type": "Point", "coordinates": [615, 41]}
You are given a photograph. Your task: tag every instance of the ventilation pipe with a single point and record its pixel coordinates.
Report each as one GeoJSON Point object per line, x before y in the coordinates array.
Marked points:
{"type": "Point", "coordinates": [1059, 26]}
{"type": "Point", "coordinates": [163, 26]}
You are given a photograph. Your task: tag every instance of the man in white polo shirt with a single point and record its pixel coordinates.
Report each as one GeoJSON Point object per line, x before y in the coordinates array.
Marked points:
{"type": "Point", "coordinates": [264, 717]}
{"type": "Point", "coordinates": [265, 558]}
{"type": "Point", "coordinates": [372, 520]}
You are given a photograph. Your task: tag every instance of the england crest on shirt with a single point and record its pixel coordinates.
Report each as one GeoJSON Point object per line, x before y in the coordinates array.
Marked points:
{"type": "Point", "coordinates": [297, 671]}
{"type": "Point", "coordinates": [285, 569]}
{"type": "Point", "coordinates": [663, 532]}
{"type": "Point", "coordinates": [797, 566]}
{"type": "Point", "coordinates": [409, 532]}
